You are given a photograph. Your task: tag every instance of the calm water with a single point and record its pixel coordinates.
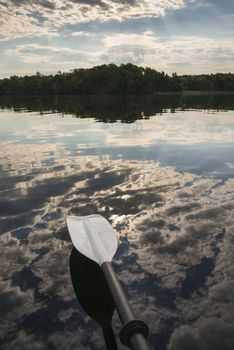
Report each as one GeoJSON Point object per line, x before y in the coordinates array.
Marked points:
{"type": "Point", "coordinates": [163, 177]}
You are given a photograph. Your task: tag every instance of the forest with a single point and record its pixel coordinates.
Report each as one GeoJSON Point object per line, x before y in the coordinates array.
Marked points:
{"type": "Point", "coordinates": [112, 79]}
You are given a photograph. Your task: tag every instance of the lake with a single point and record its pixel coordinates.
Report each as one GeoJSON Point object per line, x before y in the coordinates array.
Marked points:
{"type": "Point", "coordinates": [161, 170]}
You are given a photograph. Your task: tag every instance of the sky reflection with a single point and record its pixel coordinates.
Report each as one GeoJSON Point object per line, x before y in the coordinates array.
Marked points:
{"type": "Point", "coordinates": [195, 141]}
{"type": "Point", "coordinates": [165, 184]}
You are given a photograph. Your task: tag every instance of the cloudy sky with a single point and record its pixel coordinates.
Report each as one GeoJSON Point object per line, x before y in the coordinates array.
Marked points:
{"type": "Point", "coordinates": [186, 36]}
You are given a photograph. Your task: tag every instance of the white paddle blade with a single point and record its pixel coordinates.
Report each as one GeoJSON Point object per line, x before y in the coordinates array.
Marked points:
{"type": "Point", "coordinates": [93, 236]}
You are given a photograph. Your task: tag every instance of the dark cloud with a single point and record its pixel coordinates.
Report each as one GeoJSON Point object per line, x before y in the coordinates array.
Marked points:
{"type": "Point", "coordinates": [51, 5]}
{"type": "Point", "coordinates": [15, 304]}
{"type": "Point", "coordinates": [192, 236]}
{"type": "Point", "coordinates": [208, 333]}
{"type": "Point", "coordinates": [175, 210]}
{"type": "Point", "coordinates": [208, 214]}
{"type": "Point", "coordinates": [11, 298]}
{"type": "Point", "coordinates": [90, 2]}
{"type": "Point", "coordinates": [22, 206]}
{"type": "Point", "coordinates": [151, 236]}
{"type": "Point", "coordinates": [185, 338]}
{"type": "Point", "coordinates": [12, 251]}
{"type": "Point", "coordinates": [126, 2]}
{"type": "Point", "coordinates": [24, 341]}
{"type": "Point", "coordinates": [3, 3]}
{"type": "Point", "coordinates": [53, 275]}
{"type": "Point", "coordinates": [222, 292]}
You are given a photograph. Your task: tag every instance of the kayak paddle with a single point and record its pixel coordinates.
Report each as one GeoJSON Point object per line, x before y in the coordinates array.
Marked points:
{"type": "Point", "coordinates": [93, 236]}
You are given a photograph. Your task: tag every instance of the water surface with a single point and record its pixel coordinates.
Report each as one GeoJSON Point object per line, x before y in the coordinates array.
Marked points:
{"type": "Point", "coordinates": [161, 170]}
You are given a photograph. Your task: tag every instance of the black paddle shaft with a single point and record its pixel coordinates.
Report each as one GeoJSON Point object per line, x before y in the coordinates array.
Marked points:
{"type": "Point", "coordinates": [134, 332]}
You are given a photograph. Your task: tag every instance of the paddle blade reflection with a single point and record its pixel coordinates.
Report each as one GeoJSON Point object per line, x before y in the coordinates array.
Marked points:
{"type": "Point", "coordinates": [93, 294]}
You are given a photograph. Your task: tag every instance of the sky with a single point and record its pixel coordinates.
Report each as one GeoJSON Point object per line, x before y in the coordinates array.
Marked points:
{"type": "Point", "coordinates": [183, 36]}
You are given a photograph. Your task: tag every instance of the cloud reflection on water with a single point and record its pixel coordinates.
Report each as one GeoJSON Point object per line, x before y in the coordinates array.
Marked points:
{"type": "Point", "coordinates": [175, 254]}
{"type": "Point", "coordinates": [199, 126]}
{"type": "Point", "coordinates": [192, 141]}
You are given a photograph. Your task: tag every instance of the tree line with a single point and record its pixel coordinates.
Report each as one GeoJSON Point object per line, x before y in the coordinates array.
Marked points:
{"type": "Point", "coordinates": [112, 79]}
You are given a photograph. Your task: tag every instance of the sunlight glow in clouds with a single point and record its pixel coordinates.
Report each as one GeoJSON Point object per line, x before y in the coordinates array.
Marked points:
{"type": "Point", "coordinates": [171, 35]}
{"type": "Point", "coordinates": [43, 17]}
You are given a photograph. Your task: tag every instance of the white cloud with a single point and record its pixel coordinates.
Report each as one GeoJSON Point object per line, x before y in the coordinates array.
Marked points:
{"type": "Point", "coordinates": [173, 53]}
{"type": "Point", "coordinates": [81, 33]}
{"type": "Point", "coordinates": [32, 48]}
{"type": "Point", "coordinates": [182, 54]}
{"type": "Point", "coordinates": [34, 53]}
{"type": "Point", "coordinates": [17, 21]}
{"type": "Point", "coordinates": [35, 19]}
{"type": "Point", "coordinates": [146, 40]}
{"type": "Point", "coordinates": [38, 18]}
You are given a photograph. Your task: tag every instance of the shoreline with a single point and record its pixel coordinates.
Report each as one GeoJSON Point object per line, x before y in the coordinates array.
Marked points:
{"type": "Point", "coordinates": [182, 93]}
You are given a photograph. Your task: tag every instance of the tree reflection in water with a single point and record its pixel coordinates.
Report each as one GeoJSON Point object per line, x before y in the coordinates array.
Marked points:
{"type": "Point", "coordinates": [112, 108]}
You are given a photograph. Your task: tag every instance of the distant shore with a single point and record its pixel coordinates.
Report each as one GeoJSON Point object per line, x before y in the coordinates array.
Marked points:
{"type": "Point", "coordinates": [194, 93]}
{"type": "Point", "coordinates": [126, 79]}
{"type": "Point", "coordinates": [157, 93]}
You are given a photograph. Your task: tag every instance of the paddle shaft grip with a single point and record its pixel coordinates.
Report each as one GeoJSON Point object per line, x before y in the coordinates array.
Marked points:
{"type": "Point", "coordinates": [136, 339]}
